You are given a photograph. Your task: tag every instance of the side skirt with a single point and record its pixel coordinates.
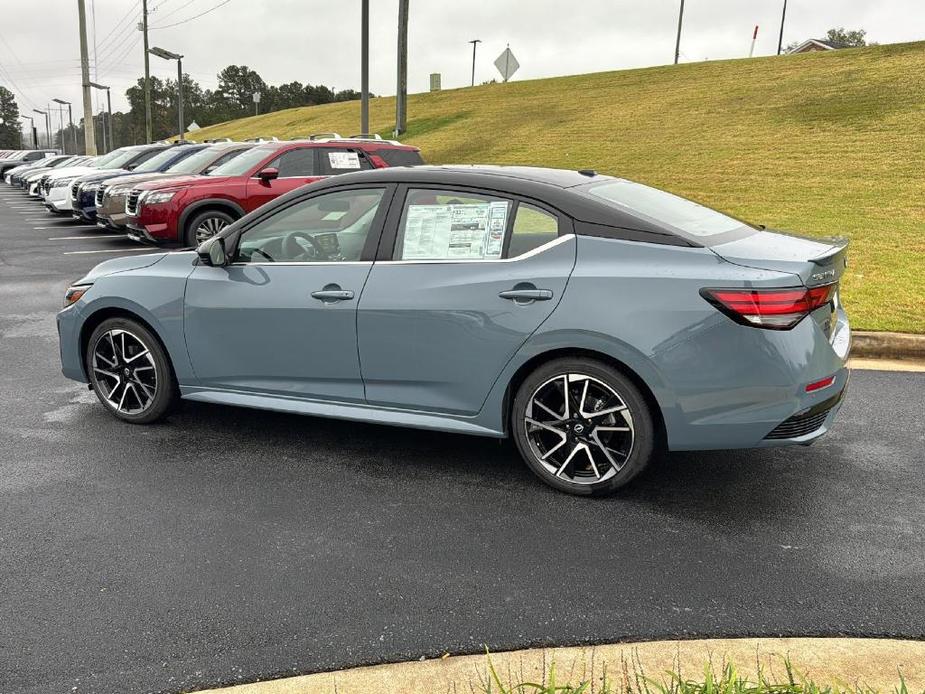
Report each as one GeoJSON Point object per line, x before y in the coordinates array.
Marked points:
{"type": "Point", "coordinates": [336, 410]}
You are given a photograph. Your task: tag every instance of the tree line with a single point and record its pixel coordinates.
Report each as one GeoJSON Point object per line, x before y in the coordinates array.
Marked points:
{"type": "Point", "coordinates": [231, 99]}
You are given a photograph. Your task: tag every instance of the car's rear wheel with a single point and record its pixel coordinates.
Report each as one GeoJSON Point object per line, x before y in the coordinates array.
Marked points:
{"type": "Point", "coordinates": [130, 371]}
{"type": "Point", "coordinates": [205, 225]}
{"type": "Point", "coordinates": [582, 426]}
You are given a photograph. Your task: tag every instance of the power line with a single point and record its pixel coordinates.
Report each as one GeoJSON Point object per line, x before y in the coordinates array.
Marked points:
{"type": "Point", "coordinates": [201, 14]}
{"type": "Point", "coordinates": [128, 15]}
{"type": "Point", "coordinates": [175, 9]}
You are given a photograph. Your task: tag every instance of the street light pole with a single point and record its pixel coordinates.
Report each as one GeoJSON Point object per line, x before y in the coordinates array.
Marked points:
{"type": "Point", "coordinates": [44, 113]}
{"type": "Point", "coordinates": [169, 55]}
{"type": "Point", "coordinates": [364, 67]}
{"type": "Point", "coordinates": [677, 45]}
{"type": "Point", "coordinates": [31, 130]}
{"type": "Point", "coordinates": [780, 40]}
{"type": "Point", "coordinates": [474, 42]}
{"type": "Point", "coordinates": [109, 110]}
{"type": "Point", "coordinates": [70, 120]}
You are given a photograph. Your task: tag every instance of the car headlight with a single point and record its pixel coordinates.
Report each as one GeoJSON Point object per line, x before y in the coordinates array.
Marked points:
{"type": "Point", "coordinates": [89, 187]}
{"type": "Point", "coordinates": [61, 182]}
{"type": "Point", "coordinates": [74, 292]}
{"type": "Point", "coordinates": [157, 196]}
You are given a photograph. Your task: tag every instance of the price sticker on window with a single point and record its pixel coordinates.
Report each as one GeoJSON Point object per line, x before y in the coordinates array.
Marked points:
{"type": "Point", "coordinates": [344, 160]}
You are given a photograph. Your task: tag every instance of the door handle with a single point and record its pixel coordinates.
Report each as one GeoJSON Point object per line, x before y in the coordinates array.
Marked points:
{"type": "Point", "coordinates": [524, 295]}
{"type": "Point", "coordinates": [329, 295]}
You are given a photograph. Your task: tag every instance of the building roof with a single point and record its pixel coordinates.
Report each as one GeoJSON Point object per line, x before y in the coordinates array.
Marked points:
{"type": "Point", "coordinates": [820, 44]}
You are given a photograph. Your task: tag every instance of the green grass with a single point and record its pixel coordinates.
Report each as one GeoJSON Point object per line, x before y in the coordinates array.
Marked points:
{"type": "Point", "coordinates": [824, 144]}
{"type": "Point", "coordinates": [631, 679]}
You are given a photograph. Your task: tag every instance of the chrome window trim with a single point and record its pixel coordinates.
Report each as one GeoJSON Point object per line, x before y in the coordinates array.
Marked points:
{"type": "Point", "coordinates": [304, 262]}
{"type": "Point", "coordinates": [529, 254]}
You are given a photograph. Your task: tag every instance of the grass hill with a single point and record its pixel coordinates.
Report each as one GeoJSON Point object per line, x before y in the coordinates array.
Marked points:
{"type": "Point", "coordinates": [824, 143]}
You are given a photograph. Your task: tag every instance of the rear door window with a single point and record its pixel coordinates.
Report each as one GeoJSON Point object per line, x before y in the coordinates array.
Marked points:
{"type": "Point", "coordinates": [333, 161]}
{"type": "Point", "coordinates": [447, 225]}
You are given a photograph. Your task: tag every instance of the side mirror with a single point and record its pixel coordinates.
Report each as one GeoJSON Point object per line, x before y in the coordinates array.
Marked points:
{"type": "Point", "coordinates": [268, 174]}
{"type": "Point", "coordinates": [212, 252]}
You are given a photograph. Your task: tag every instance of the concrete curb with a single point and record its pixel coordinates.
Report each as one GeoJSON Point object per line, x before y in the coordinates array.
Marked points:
{"type": "Point", "coordinates": [874, 663]}
{"type": "Point", "coordinates": [869, 345]}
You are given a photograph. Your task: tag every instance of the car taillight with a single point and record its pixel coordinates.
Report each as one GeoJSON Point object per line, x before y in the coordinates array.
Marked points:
{"type": "Point", "coordinates": [775, 309]}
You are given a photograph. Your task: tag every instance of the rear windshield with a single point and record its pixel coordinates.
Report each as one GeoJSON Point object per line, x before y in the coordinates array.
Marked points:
{"type": "Point", "coordinates": [400, 157]}
{"type": "Point", "coordinates": [666, 209]}
{"type": "Point", "coordinates": [242, 164]}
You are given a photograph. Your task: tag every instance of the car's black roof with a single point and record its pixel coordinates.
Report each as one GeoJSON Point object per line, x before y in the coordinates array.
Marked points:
{"type": "Point", "coordinates": [480, 174]}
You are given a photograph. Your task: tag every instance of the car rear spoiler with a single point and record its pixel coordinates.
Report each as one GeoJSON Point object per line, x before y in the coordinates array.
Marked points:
{"type": "Point", "coordinates": [829, 257]}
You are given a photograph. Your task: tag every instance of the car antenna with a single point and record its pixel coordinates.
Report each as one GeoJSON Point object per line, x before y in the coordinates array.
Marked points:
{"type": "Point", "coordinates": [587, 172]}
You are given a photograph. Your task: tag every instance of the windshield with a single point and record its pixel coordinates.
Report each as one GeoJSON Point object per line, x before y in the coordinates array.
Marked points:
{"type": "Point", "coordinates": [102, 162]}
{"type": "Point", "coordinates": [195, 163]}
{"type": "Point", "coordinates": [157, 161]}
{"type": "Point", "coordinates": [242, 164]}
{"type": "Point", "coordinates": [120, 161]}
{"type": "Point", "coordinates": [665, 208]}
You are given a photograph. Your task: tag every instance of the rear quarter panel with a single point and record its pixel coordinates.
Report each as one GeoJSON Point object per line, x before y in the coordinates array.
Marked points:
{"type": "Point", "coordinates": [639, 303]}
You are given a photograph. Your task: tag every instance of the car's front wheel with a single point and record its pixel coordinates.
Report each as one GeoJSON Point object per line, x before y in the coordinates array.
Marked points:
{"type": "Point", "coordinates": [205, 225]}
{"type": "Point", "coordinates": [130, 371]}
{"type": "Point", "coordinates": [582, 426]}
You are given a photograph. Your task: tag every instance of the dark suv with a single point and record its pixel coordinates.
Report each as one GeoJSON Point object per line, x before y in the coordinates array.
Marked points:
{"type": "Point", "coordinates": [190, 209]}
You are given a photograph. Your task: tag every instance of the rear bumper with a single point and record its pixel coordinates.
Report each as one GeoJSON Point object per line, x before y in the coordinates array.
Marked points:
{"type": "Point", "coordinates": [765, 402]}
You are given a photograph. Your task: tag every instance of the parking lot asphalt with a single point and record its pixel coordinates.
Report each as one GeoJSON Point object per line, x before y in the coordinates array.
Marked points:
{"type": "Point", "coordinates": [230, 545]}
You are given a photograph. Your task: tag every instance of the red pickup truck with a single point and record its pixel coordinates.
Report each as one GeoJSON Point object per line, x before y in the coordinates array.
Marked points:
{"type": "Point", "coordinates": [190, 209]}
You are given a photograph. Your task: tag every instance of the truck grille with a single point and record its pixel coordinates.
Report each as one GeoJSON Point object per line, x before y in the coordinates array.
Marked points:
{"type": "Point", "coordinates": [131, 202]}
{"type": "Point", "coordinates": [98, 200]}
{"type": "Point", "coordinates": [74, 190]}
{"type": "Point", "coordinates": [805, 422]}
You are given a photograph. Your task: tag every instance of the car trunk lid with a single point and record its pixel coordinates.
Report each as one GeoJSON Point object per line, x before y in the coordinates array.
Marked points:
{"type": "Point", "coordinates": [815, 261]}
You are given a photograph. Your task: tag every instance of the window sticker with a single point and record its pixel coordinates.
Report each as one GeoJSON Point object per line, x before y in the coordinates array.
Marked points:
{"type": "Point", "coordinates": [454, 232]}
{"type": "Point", "coordinates": [344, 160]}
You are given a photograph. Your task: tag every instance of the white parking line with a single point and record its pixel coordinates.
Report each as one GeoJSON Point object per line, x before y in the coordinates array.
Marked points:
{"type": "Point", "coordinates": [68, 228]}
{"type": "Point", "coordinates": [113, 250]}
{"type": "Point", "coordinates": [87, 238]}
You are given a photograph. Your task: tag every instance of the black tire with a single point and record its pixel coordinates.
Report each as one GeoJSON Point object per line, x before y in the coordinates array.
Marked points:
{"type": "Point", "coordinates": [164, 387]}
{"type": "Point", "coordinates": [638, 442]}
{"type": "Point", "coordinates": [189, 234]}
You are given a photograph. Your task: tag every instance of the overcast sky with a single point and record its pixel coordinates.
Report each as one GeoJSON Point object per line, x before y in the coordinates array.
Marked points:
{"type": "Point", "coordinates": [318, 41]}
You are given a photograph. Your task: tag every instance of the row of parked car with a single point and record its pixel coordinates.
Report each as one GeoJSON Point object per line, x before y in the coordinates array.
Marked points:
{"type": "Point", "coordinates": [186, 192]}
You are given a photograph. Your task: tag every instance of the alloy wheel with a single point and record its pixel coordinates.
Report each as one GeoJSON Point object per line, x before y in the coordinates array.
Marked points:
{"type": "Point", "coordinates": [209, 227]}
{"type": "Point", "coordinates": [579, 428]}
{"type": "Point", "coordinates": [125, 372]}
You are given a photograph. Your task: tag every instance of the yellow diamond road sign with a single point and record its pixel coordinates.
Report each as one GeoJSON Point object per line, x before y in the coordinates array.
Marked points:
{"type": "Point", "coordinates": [507, 64]}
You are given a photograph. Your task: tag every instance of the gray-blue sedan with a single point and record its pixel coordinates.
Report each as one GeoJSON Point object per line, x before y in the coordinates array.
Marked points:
{"type": "Point", "coordinates": [593, 319]}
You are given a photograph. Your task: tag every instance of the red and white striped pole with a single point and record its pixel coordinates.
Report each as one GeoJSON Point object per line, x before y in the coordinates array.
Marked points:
{"type": "Point", "coordinates": [754, 38]}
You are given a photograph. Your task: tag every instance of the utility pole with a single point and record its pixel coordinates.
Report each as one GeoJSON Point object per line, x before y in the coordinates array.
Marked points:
{"type": "Point", "coordinates": [474, 42]}
{"type": "Point", "coordinates": [149, 135]}
{"type": "Point", "coordinates": [780, 40]}
{"type": "Point", "coordinates": [364, 67]}
{"type": "Point", "coordinates": [47, 128]}
{"type": "Point", "coordinates": [677, 45]}
{"type": "Point", "coordinates": [401, 93]}
{"type": "Point", "coordinates": [89, 134]}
